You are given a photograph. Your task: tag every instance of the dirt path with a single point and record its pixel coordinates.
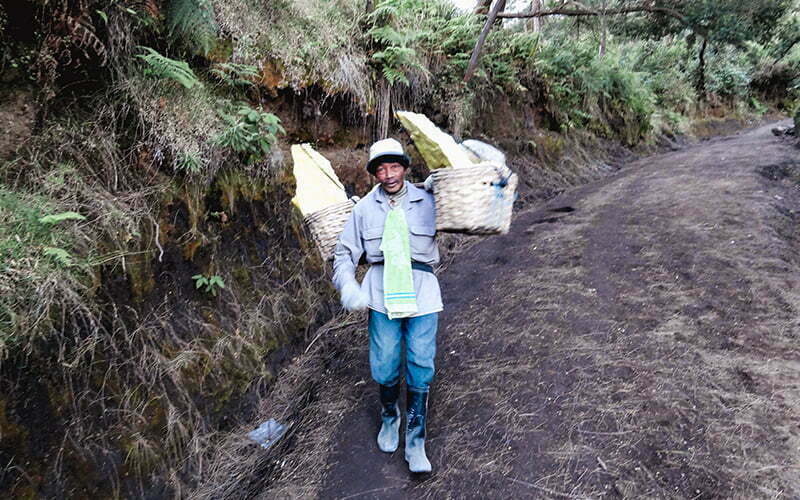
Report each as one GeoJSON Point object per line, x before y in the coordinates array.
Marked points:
{"type": "Point", "coordinates": [633, 338]}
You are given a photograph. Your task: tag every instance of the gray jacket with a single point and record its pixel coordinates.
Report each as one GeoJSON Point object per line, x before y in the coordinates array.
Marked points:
{"type": "Point", "coordinates": [362, 237]}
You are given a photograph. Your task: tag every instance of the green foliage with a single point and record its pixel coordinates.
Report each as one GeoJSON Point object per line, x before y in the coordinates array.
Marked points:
{"type": "Point", "coordinates": [160, 66]}
{"type": "Point", "coordinates": [728, 74]}
{"type": "Point", "coordinates": [212, 283]}
{"type": "Point", "coordinates": [24, 230]}
{"type": "Point", "coordinates": [34, 249]}
{"type": "Point", "coordinates": [189, 162]}
{"type": "Point", "coordinates": [56, 218]}
{"type": "Point", "coordinates": [192, 23]}
{"type": "Point", "coordinates": [602, 94]}
{"type": "Point", "coordinates": [249, 131]}
{"type": "Point", "coordinates": [59, 255]}
{"type": "Point", "coordinates": [236, 75]}
{"type": "Point", "coordinates": [397, 56]}
{"type": "Point", "coordinates": [664, 70]}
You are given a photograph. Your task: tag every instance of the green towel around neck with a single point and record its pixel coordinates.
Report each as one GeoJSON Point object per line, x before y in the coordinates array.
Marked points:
{"type": "Point", "coordinates": [399, 296]}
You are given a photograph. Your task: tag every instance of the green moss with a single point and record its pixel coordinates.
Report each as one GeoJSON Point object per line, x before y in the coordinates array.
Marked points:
{"type": "Point", "coordinates": [14, 437]}
{"type": "Point", "coordinates": [140, 275]}
{"type": "Point", "coordinates": [241, 274]}
{"type": "Point", "coordinates": [550, 145]}
{"type": "Point", "coordinates": [234, 184]}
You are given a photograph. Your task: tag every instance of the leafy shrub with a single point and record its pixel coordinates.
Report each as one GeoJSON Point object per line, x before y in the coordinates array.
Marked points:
{"type": "Point", "coordinates": [663, 68]}
{"type": "Point", "coordinates": [728, 74]}
{"type": "Point", "coordinates": [585, 90]}
{"type": "Point", "coordinates": [249, 131]}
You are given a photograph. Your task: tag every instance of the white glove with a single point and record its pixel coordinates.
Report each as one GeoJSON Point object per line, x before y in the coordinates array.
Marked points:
{"type": "Point", "coordinates": [428, 184]}
{"type": "Point", "coordinates": [353, 298]}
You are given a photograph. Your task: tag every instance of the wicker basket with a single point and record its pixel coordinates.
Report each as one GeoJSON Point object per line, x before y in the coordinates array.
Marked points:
{"type": "Point", "coordinates": [474, 200]}
{"type": "Point", "coordinates": [327, 224]}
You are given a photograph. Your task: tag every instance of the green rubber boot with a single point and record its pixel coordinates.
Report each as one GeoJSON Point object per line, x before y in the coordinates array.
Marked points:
{"type": "Point", "coordinates": [417, 406]}
{"type": "Point", "coordinates": [389, 435]}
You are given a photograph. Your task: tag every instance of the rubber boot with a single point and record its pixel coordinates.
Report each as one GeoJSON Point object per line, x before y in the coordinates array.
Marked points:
{"type": "Point", "coordinates": [389, 435]}
{"type": "Point", "coordinates": [417, 405]}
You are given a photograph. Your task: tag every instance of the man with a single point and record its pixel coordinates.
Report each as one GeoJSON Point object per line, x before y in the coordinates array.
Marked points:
{"type": "Point", "coordinates": [394, 227]}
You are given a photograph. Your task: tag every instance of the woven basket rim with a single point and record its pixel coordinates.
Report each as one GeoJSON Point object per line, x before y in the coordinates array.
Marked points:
{"type": "Point", "coordinates": [329, 210]}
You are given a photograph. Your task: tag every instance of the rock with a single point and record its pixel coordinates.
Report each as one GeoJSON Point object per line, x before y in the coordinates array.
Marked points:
{"type": "Point", "coordinates": [779, 131]}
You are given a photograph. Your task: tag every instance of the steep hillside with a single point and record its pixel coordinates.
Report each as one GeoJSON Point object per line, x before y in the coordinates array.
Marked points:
{"type": "Point", "coordinates": [154, 280]}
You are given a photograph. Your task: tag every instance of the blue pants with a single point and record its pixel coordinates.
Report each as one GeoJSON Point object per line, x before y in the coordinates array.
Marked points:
{"type": "Point", "coordinates": [385, 344]}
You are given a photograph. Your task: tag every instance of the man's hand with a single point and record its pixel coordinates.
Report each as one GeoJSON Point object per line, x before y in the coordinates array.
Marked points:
{"type": "Point", "coordinates": [353, 299]}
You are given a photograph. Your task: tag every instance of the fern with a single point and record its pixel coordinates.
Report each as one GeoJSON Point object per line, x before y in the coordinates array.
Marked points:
{"type": "Point", "coordinates": [235, 75]}
{"type": "Point", "coordinates": [390, 31]}
{"type": "Point", "coordinates": [163, 67]}
{"type": "Point", "coordinates": [59, 255]}
{"type": "Point", "coordinates": [193, 23]}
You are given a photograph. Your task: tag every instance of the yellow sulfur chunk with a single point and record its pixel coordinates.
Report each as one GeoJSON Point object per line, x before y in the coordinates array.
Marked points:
{"type": "Point", "coordinates": [437, 148]}
{"type": "Point", "coordinates": [318, 186]}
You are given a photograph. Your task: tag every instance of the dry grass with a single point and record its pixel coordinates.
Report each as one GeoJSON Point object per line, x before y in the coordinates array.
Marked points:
{"type": "Point", "coordinates": [311, 42]}
{"type": "Point", "coordinates": [311, 398]}
{"type": "Point", "coordinates": [136, 372]}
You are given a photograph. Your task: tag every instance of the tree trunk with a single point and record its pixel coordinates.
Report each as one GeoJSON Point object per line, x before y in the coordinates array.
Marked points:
{"type": "Point", "coordinates": [476, 52]}
{"type": "Point", "coordinates": [603, 31]}
{"type": "Point", "coordinates": [701, 71]}
{"type": "Point", "coordinates": [534, 24]}
{"type": "Point", "coordinates": [383, 110]}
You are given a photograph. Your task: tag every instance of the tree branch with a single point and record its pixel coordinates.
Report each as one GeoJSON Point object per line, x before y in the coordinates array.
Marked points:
{"type": "Point", "coordinates": [595, 12]}
{"type": "Point", "coordinates": [476, 52]}
{"type": "Point", "coordinates": [582, 10]}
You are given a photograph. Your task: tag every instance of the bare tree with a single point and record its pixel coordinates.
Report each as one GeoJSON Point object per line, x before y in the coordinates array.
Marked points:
{"type": "Point", "coordinates": [476, 52]}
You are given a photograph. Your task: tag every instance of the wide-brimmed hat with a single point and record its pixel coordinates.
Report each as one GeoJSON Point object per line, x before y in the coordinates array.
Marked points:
{"type": "Point", "coordinates": [386, 151]}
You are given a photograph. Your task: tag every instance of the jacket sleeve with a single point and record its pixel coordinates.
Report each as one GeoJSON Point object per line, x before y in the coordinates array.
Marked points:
{"type": "Point", "coordinates": [348, 252]}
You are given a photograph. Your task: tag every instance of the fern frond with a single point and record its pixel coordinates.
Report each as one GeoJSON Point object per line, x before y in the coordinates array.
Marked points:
{"type": "Point", "coordinates": [236, 75]}
{"type": "Point", "coordinates": [163, 67]}
{"type": "Point", "coordinates": [393, 76]}
{"type": "Point", "coordinates": [387, 35]}
{"type": "Point", "coordinates": [192, 22]}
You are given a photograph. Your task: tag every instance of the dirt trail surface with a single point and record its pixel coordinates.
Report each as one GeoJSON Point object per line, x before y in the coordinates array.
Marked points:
{"type": "Point", "coordinates": [634, 338]}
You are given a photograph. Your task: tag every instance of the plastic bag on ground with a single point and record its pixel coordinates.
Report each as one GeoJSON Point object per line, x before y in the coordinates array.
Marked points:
{"type": "Point", "coordinates": [267, 433]}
